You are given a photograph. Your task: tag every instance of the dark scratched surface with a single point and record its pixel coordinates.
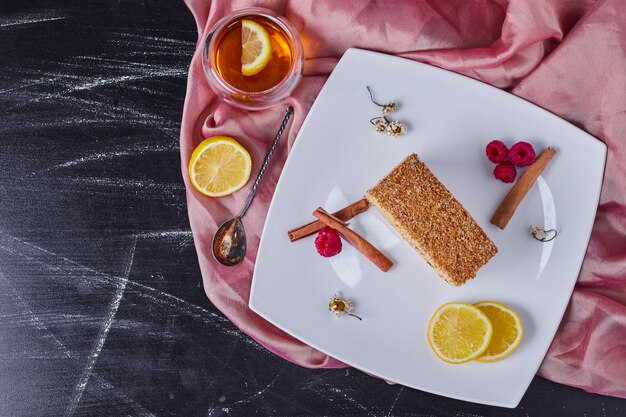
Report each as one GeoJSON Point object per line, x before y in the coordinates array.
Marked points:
{"type": "Point", "coordinates": [102, 311]}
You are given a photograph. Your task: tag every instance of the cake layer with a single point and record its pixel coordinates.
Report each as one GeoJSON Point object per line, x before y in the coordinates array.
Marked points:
{"type": "Point", "coordinates": [431, 220]}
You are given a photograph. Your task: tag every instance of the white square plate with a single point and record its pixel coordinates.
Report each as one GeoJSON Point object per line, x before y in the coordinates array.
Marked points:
{"type": "Point", "coordinates": [337, 157]}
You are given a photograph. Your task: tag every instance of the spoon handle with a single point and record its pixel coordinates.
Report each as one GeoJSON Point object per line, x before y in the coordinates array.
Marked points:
{"type": "Point", "coordinates": [266, 162]}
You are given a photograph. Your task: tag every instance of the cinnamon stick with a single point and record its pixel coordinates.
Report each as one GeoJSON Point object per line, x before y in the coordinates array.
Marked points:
{"type": "Point", "coordinates": [367, 249]}
{"type": "Point", "coordinates": [517, 193]}
{"type": "Point", "coordinates": [344, 214]}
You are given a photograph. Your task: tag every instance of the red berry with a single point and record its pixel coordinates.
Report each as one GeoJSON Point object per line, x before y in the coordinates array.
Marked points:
{"type": "Point", "coordinates": [522, 154]}
{"type": "Point", "coordinates": [505, 172]}
{"type": "Point", "coordinates": [496, 151]}
{"type": "Point", "coordinates": [328, 242]}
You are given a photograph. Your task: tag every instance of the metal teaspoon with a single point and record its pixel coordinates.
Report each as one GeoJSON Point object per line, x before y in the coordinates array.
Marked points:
{"type": "Point", "coordinates": [229, 243]}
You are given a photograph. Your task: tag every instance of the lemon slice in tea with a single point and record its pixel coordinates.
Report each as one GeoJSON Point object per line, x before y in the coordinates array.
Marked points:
{"type": "Point", "coordinates": [256, 48]}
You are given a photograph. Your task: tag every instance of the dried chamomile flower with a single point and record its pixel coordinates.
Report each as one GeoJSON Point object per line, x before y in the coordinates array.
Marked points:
{"type": "Point", "coordinates": [543, 235]}
{"type": "Point", "coordinates": [390, 108]}
{"type": "Point", "coordinates": [396, 129]}
{"type": "Point", "coordinates": [380, 124]}
{"type": "Point", "coordinates": [387, 108]}
{"type": "Point", "coordinates": [341, 306]}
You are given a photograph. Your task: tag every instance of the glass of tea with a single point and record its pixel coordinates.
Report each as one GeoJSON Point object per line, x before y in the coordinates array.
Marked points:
{"type": "Point", "coordinates": [253, 58]}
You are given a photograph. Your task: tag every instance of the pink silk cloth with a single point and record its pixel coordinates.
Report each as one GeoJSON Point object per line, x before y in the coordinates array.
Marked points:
{"type": "Point", "coordinates": [568, 56]}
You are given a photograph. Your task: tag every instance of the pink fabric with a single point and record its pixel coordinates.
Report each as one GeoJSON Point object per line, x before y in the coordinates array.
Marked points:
{"type": "Point", "coordinates": [568, 56]}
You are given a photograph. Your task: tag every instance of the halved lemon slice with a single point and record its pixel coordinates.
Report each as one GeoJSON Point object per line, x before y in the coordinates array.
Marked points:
{"type": "Point", "coordinates": [459, 332]}
{"type": "Point", "coordinates": [256, 49]}
{"type": "Point", "coordinates": [507, 331]}
{"type": "Point", "coordinates": [219, 166]}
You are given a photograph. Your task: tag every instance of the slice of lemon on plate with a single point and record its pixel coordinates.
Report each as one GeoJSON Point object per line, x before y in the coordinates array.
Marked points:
{"type": "Point", "coordinates": [459, 332]}
{"type": "Point", "coordinates": [219, 166]}
{"type": "Point", "coordinates": [507, 331]}
{"type": "Point", "coordinates": [256, 49]}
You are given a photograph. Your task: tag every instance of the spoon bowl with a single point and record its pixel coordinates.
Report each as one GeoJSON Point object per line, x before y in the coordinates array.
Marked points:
{"type": "Point", "coordinates": [229, 242]}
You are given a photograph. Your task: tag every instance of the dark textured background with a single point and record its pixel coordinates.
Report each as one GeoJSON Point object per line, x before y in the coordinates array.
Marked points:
{"type": "Point", "coordinates": [102, 311]}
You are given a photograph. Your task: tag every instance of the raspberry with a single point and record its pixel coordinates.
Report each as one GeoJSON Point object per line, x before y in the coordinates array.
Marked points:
{"type": "Point", "coordinates": [505, 172]}
{"type": "Point", "coordinates": [522, 154]}
{"type": "Point", "coordinates": [328, 242]}
{"type": "Point", "coordinates": [496, 151]}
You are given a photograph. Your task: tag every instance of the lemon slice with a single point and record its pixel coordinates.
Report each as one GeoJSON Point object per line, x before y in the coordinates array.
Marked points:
{"type": "Point", "coordinates": [256, 49]}
{"type": "Point", "coordinates": [459, 332]}
{"type": "Point", "coordinates": [507, 331]}
{"type": "Point", "coordinates": [219, 166]}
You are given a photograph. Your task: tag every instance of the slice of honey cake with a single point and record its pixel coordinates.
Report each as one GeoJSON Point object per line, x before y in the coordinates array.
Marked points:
{"type": "Point", "coordinates": [431, 220]}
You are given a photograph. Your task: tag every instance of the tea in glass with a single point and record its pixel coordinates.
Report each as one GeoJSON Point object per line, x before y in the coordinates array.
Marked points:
{"type": "Point", "coordinates": [253, 58]}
